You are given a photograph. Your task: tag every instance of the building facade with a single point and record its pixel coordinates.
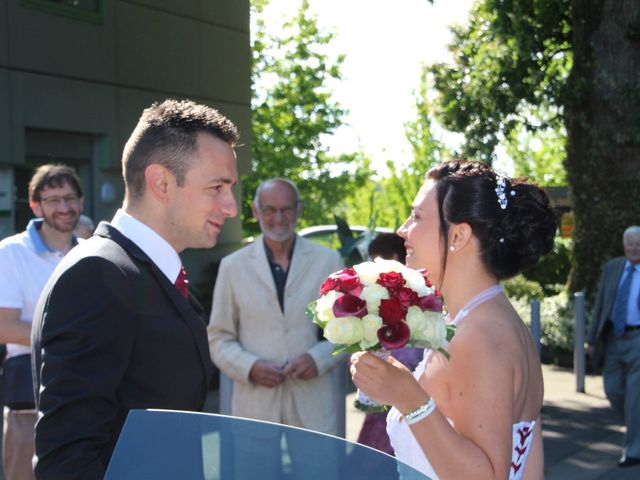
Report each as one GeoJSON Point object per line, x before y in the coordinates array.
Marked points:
{"type": "Point", "coordinates": [76, 74]}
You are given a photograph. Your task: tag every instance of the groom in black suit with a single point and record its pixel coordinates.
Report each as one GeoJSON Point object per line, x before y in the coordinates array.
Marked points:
{"type": "Point", "coordinates": [115, 328]}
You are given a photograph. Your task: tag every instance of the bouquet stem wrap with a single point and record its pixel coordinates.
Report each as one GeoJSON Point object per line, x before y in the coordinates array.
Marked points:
{"type": "Point", "coordinates": [364, 403]}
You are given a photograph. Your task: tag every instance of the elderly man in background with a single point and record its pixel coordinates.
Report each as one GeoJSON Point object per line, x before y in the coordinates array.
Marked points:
{"type": "Point", "coordinates": [615, 331]}
{"type": "Point", "coordinates": [259, 334]}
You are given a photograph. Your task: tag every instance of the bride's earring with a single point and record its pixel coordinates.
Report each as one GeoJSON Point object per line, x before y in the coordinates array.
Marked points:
{"type": "Point", "coordinates": [452, 248]}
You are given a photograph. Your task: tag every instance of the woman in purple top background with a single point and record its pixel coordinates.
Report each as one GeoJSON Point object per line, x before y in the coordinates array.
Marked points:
{"type": "Point", "coordinates": [389, 246]}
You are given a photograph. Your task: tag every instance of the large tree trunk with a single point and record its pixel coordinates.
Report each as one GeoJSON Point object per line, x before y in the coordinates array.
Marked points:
{"type": "Point", "coordinates": [603, 124]}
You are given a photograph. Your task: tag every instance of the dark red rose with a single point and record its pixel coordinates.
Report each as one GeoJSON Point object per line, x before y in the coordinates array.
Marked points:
{"type": "Point", "coordinates": [391, 311]}
{"type": "Point", "coordinates": [430, 302]}
{"type": "Point", "coordinates": [349, 306]}
{"type": "Point", "coordinates": [394, 336]}
{"type": "Point", "coordinates": [406, 297]}
{"type": "Point", "coordinates": [349, 281]}
{"type": "Point", "coordinates": [392, 281]}
{"type": "Point", "coordinates": [329, 284]}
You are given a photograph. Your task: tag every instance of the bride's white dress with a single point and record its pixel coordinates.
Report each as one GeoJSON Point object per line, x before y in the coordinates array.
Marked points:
{"type": "Point", "coordinates": [407, 448]}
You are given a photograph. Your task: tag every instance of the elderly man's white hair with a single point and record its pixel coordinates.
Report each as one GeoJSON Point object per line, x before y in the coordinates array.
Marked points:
{"type": "Point", "coordinates": [632, 231]}
{"type": "Point", "coordinates": [271, 181]}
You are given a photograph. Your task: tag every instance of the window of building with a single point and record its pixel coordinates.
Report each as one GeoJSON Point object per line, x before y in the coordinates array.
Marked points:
{"type": "Point", "coordinates": [84, 10]}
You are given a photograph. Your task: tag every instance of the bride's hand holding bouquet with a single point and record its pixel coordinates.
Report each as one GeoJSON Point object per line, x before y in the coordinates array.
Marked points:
{"type": "Point", "coordinates": [380, 306]}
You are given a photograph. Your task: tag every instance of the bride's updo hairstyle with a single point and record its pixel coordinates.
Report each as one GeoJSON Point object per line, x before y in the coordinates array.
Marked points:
{"type": "Point", "coordinates": [512, 220]}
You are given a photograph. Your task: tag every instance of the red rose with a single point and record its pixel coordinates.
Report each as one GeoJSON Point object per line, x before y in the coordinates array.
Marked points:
{"type": "Point", "coordinates": [430, 302]}
{"type": "Point", "coordinates": [391, 311]}
{"type": "Point", "coordinates": [349, 281]}
{"type": "Point", "coordinates": [392, 281]}
{"type": "Point", "coordinates": [329, 284]}
{"type": "Point", "coordinates": [406, 297]}
{"type": "Point", "coordinates": [349, 306]}
{"type": "Point", "coordinates": [394, 336]}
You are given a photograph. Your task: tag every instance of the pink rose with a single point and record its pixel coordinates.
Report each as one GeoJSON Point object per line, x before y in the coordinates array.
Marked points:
{"type": "Point", "coordinates": [406, 297]}
{"type": "Point", "coordinates": [391, 311]}
{"type": "Point", "coordinates": [429, 302]}
{"type": "Point", "coordinates": [349, 281]}
{"type": "Point", "coordinates": [425, 275]}
{"type": "Point", "coordinates": [394, 336]}
{"type": "Point", "coordinates": [349, 306]}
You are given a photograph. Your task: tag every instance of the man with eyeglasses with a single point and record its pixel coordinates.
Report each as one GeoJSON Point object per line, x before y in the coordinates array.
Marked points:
{"type": "Point", "coordinates": [26, 263]}
{"type": "Point", "coordinates": [259, 334]}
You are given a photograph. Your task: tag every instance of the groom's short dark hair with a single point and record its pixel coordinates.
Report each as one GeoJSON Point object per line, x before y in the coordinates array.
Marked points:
{"type": "Point", "coordinates": [166, 134]}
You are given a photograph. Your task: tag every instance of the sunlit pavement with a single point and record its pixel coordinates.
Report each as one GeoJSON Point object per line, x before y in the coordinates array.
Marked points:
{"type": "Point", "coordinates": [582, 439]}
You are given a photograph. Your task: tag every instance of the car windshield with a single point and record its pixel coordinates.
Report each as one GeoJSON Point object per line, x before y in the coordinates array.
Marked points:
{"type": "Point", "coordinates": [162, 444]}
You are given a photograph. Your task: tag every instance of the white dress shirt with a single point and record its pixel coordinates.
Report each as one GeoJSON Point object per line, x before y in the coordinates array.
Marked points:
{"type": "Point", "coordinates": [148, 240]}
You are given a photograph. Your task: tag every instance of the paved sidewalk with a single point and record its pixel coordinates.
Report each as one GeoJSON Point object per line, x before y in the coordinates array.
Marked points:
{"type": "Point", "coordinates": [582, 440]}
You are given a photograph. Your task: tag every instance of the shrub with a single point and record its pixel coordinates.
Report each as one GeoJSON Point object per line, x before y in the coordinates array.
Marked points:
{"type": "Point", "coordinates": [552, 271]}
{"type": "Point", "coordinates": [556, 318]}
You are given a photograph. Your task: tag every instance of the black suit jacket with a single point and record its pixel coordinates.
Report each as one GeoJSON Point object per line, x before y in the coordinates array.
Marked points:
{"type": "Point", "coordinates": [110, 333]}
{"type": "Point", "coordinates": [600, 326]}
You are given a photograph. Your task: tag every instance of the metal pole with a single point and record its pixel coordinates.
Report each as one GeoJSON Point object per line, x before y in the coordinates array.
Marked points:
{"type": "Point", "coordinates": [578, 349]}
{"type": "Point", "coordinates": [536, 330]}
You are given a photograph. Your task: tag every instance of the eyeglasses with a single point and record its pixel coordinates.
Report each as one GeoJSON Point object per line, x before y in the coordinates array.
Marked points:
{"type": "Point", "coordinates": [288, 211]}
{"type": "Point", "coordinates": [55, 202]}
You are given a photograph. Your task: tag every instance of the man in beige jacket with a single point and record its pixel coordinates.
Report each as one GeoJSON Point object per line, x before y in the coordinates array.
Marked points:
{"type": "Point", "coordinates": [259, 334]}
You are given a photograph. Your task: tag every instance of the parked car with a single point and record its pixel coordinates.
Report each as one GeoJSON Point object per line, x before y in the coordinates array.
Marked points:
{"type": "Point", "coordinates": [328, 235]}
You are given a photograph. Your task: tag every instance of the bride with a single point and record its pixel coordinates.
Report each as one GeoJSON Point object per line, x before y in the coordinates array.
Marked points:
{"type": "Point", "coordinates": [476, 415]}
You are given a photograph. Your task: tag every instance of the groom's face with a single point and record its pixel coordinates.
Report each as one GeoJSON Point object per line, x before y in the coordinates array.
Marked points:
{"type": "Point", "coordinates": [197, 210]}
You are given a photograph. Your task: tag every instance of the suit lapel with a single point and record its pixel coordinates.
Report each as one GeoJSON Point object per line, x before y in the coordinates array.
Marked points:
{"type": "Point", "coordinates": [260, 264]}
{"type": "Point", "coordinates": [300, 262]}
{"type": "Point", "coordinates": [190, 311]}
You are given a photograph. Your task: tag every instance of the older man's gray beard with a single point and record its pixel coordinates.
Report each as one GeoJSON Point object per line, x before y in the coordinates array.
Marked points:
{"type": "Point", "coordinates": [278, 236]}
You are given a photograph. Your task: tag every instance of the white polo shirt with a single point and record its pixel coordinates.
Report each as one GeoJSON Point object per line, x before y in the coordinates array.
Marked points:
{"type": "Point", "coordinates": [26, 263]}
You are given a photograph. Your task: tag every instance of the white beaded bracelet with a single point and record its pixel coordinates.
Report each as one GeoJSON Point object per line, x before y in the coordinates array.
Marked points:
{"type": "Point", "coordinates": [421, 412]}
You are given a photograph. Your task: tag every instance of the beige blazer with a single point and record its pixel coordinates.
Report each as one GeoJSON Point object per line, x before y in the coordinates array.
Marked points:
{"type": "Point", "coordinates": [247, 324]}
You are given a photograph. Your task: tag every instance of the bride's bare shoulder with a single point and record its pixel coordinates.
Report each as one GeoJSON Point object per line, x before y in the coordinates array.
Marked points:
{"type": "Point", "coordinates": [491, 331]}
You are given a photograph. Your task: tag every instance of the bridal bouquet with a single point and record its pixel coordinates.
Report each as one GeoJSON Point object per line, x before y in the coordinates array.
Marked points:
{"type": "Point", "coordinates": [380, 305]}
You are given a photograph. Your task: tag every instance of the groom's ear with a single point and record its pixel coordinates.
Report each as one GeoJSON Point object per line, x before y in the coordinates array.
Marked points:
{"type": "Point", "coordinates": [460, 235]}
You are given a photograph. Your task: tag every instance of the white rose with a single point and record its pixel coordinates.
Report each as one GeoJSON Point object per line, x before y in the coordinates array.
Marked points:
{"type": "Point", "coordinates": [368, 272]}
{"type": "Point", "coordinates": [389, 265]}
{"type": "Point", "coordinates": [417, 322]}
{"type": "Point", "coordinates": [373, 294]}
{"type": "Point", "coordinates": [428, 326]}
{"type": "Point", "coordinates": [415, 282]}
{"type": "Point", "coordinates": [371, 324]}
{"type": "Point", "coordinates": [344, 330]}
{"type": "Point", "coordinates": [324, 306]}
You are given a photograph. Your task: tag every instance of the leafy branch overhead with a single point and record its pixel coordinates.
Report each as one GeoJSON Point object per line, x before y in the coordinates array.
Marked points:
{"type": "Point", "coordinates": [293, 109]}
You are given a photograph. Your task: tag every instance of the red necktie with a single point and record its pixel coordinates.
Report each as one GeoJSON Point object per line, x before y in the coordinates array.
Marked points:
{"type": "Point", "coordinates": [182, 283]}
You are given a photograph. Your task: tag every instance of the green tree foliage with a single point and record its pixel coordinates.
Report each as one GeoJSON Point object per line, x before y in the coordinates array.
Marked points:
{"type": "Point", "coordinates": [512, 57]}
{"type": "Point", "coordinates": [528, 68]}
{"type": "Point", "coordinates": [293, 111]}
